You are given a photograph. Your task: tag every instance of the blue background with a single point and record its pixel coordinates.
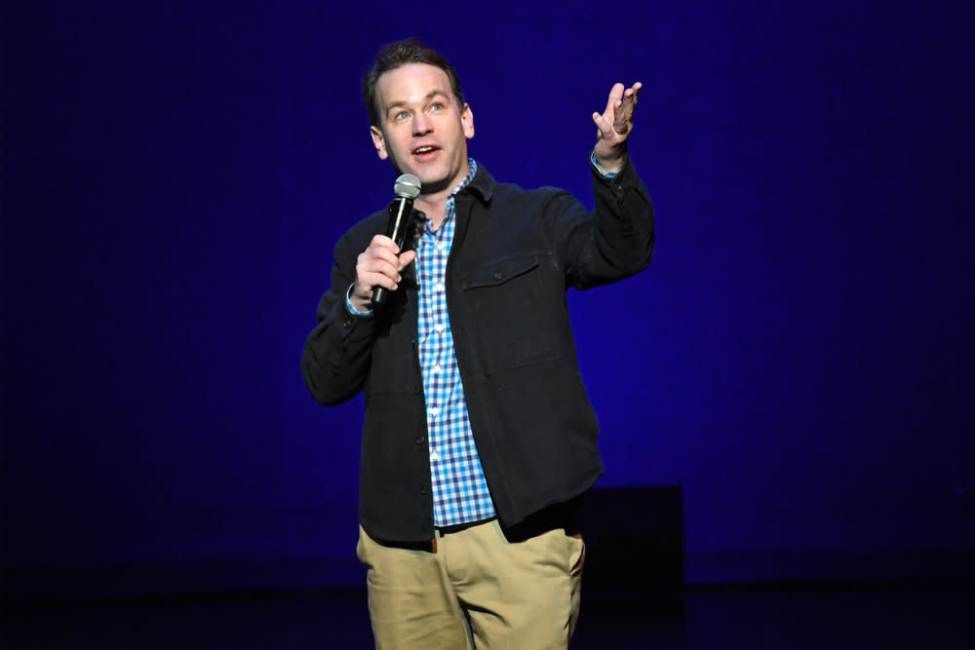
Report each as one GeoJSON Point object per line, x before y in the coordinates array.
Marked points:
{"type": "Point", "coordinates": [798, 358]}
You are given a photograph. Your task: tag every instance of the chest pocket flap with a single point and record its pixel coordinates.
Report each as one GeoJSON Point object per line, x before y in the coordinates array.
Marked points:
{"type": "Point", "coordinates": [496, 272]}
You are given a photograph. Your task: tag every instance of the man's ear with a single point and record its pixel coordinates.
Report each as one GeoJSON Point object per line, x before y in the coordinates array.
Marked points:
{"type": "Point", "coordinates": [467, 121]}
{"type": "Point", "coordinates": [379, 142]}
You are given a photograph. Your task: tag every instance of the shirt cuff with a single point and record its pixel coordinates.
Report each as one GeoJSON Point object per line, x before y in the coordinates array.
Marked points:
{"type": "Point", "coordinates": [351, 308]}
{"type": "Point", "coordinates": [599, 168]}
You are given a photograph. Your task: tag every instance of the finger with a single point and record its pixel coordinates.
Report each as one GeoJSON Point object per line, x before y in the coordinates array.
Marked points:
{"type": "Point", "coordinates": [384, 242]}
{"type": "Point", "coordinates": [630, 98]}
{"type": "Point", "coordinates": [381, 253]}
{"type": "Point", "coordinates": [603, 125]}
{"type": "Point", "coordinates": [385, 255]}
{"type": "Point", "coordinates": [370, 281]}
{"type": "Point", "coordinates": [615, 95]}
{"type": "Point", "coordinates": [382, 267]}
{"type": "Point", "coordinates": [622, 120]}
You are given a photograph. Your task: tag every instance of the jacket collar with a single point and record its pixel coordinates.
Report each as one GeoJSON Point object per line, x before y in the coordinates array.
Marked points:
{"type": "Point", "coordinates": [482, 185]}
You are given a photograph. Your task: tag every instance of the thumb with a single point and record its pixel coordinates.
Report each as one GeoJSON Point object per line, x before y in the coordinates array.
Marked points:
{"type": "Point", "coordinates": [405, 259]}
{"type": "Point", "coordinates": [604, 127]}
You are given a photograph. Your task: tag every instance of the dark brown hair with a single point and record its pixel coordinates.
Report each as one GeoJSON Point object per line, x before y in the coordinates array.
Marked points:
{"type": "Point", "coordinates": [399, 53]}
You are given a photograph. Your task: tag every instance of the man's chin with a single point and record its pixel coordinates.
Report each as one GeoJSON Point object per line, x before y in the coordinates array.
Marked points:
{"type": "Point", "coordinates": [429, 183]}
{"type": "Point", "coordinates": [431, 180]}
{"type": "Point", "coordinates": [434, 186]}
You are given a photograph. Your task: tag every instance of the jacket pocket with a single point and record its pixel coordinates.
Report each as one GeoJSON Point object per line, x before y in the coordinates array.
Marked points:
{"type": "Point", "coordinates": [512, 315]}
{"type": "Point", "coordinates": [500, 271]}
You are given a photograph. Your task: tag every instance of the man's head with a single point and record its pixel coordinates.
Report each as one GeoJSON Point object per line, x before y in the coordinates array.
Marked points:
{"type": "Point", "coordinates": [418, 114]}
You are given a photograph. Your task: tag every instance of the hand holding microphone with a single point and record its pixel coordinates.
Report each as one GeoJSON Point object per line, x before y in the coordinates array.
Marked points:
{"type": "Point", "coordinates": [378, 268]}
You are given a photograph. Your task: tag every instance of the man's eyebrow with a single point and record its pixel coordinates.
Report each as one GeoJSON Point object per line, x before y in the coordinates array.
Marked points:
{"type": "Point", "coordinates": [430, 95]}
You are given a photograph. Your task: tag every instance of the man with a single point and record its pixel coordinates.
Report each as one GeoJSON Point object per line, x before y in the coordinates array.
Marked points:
{"type": "Point", "coordinates": [478, 437]}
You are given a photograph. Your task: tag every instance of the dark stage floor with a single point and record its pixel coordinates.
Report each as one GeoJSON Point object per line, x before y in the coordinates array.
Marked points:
{"type": "Point", "coordinates": [835, 616]}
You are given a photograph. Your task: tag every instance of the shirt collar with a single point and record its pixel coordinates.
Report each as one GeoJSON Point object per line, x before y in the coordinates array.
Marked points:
{"type": "Point", "coordinates": [471, 172]}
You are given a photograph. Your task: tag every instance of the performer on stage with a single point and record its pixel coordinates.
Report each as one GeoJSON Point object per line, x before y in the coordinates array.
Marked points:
{"type": "Point", "coordinates": [479, 439]}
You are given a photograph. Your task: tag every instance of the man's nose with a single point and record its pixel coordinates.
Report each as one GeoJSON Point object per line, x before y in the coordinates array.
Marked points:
{"type": "Point", "coordinates": [421, 123]}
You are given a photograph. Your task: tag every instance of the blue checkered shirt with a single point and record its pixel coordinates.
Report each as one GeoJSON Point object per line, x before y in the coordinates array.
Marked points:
{"type": "Point", "coordinates": [460, 490]}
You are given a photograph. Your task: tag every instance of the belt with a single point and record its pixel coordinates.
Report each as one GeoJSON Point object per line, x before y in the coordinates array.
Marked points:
{"type": "Point", "coordinates": [560, 515]}
{"type": "Point", "coordinates": [441, 531]}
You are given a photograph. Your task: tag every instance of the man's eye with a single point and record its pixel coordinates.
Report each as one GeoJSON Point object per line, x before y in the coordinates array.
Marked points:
{"type": "Point", "coordinates": [436, 107]}
{"type": "Point", "coordinates": [402, 115]}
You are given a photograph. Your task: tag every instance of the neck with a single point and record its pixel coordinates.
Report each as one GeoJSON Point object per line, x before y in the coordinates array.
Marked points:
{"type": "Point", "coordinates": [433, 201]}
{"type": "Point", "coordinates": [434, 206]}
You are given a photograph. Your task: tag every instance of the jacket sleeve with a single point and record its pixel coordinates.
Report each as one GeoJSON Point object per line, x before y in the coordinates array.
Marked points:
{"type": "Point", "coordinates": [337, 353]}
{"type": "Point", "coordinates": [613, 242]}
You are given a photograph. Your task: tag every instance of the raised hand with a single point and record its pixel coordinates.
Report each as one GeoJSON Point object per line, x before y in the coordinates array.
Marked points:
{"type": "Point", "coordinates": [614, 125]}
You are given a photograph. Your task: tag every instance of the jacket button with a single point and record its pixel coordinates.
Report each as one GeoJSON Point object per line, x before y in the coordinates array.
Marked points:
{"type": "Point", "coordinates": [420, 440]}
{"type": "Point", "coordinates": [498, 275]}
{"type": "Point", "coordinates": [423, 491]}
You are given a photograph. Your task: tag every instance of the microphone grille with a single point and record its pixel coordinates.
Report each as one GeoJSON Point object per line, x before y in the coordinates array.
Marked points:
{"type": "Point", "coordinates": [407, 185]}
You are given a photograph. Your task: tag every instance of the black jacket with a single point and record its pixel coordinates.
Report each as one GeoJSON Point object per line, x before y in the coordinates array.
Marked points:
{"type": "Point", "coordinates": [514, 254]}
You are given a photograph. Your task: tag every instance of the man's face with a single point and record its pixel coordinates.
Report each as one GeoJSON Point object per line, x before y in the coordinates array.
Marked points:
{"type": "Point", "coordinates": [424, 130]}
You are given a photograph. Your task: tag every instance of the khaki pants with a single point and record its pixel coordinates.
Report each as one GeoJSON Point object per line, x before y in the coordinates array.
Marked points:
{"type": "Point", "coordinates": [474, 589]}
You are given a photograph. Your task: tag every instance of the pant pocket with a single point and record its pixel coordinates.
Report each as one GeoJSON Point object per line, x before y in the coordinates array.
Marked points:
{"type": "Point", "coordinates": [360, 547]}
{"type": "Point", "coordinates": [577, 553]}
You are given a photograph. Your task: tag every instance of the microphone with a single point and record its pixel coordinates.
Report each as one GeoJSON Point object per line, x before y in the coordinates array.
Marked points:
{"type": "Point", "coordinates": [407, 188]}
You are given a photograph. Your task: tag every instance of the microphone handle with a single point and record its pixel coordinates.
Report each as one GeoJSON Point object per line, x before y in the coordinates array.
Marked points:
{"type": "Point", "coordinates": [399, 217]}
{"type": "Point", "coordinates": [379, 296]}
